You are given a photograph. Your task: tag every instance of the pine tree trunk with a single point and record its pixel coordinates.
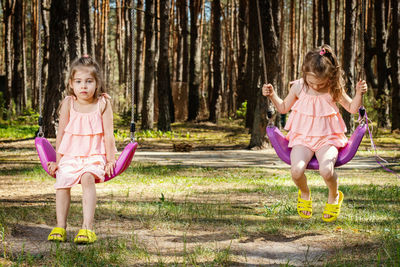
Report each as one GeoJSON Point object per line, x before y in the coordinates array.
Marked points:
{"type": "Point", "coordinates": [17, 69]}
{"type": "Point", "coordinates": [74, 41]}
{"type": "Point", "coordinates": [243, 47]}
{"type": "Point", "coordinates": [148, 94]}
{"type": "Point", "coordinates": [195, 61]}
{"type": "Point", "coordinates": [271, 46]}
{"type": "Point", "coordinates": [57, 65]}
{"type": "Point", "coordinates": [164, 83]}
{"type": "Point", "coordinates": [139, 57]}
{"type": "Point", "coordinates": [86, 25]}
{"type": "Point", "coordinates": [326, 21]}
{"type": "Point", "coordinates": [349, 56]}
{"type": "Point", "coordinates": [8, 8]}
{"type": "Point", "coordinates": [24, 58]}
{"type": "Point", "coordinates": [381, 49]}
{"type": "Point", "coordinates": [395, 62]}
{"type": "Point", "coordinates": [215, 105]}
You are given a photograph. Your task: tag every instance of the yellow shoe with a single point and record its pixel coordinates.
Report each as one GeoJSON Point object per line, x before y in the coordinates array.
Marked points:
{"type": "Point", "coordinates": [85, 236]}
{"type": "Point", "coordinates": [57, 234]}
{"type": "Point", "coordinates": [333, 209]}
{"type": "Point", "coordinates": [304, 205]}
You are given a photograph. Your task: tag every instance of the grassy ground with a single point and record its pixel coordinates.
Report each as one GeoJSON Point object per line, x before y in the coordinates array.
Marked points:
{"type": "Point", "coordinates": [154, 215]}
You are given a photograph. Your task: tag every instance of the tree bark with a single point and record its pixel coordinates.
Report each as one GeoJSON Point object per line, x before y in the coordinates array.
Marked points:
{"type": "Point", "coordinates": [349, 56]}
{"type": "Point", "coordinates": [271, 45]}
{"type": "Point", "coordinates": [195, 60]}
{"type": "Point", "coordinates": [85, 27]}
{"type": "Point", "coordinates": [74, 39]}
{"type": "Point", "coordinates": [215, 105]}
{"type": "Point", "coordinates": [17, 86]}
{"type": "Point", "coordinates": [139, 57]}
{"type": "Point", "coordinates": [148, 94]}
{"type": "Point", "coordinates": [395, 62]}
{"type": "Point", "coordinates": [57, 65]}
{"type": "Point", "coordinates": [243, 47]}
{"type": "Point", "coordinates": [164, 83]}
{"type": "Point", "coordinates": [382, 73]}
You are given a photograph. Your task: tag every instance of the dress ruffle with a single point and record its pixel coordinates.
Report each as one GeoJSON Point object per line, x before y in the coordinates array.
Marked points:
{"type": "Point", "coordinates": [84, 134]}
{"type": "Point", "coordinates": [83, 145]}
{"type": "Point", "coordinates": [84, 123]}
{"type": "Point", "coordinates": [314, 121]}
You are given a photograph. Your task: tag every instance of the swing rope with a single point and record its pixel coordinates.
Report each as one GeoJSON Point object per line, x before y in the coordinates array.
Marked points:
{"type": "Point", "coordinates": [39, 70]}
{"type": "Point", "coordinates": [269, 110]}
{"type": "Point", "coordinates": [133, 127]}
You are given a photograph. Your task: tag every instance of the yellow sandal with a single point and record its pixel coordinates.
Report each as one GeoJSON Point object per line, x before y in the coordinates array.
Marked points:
{"type": "Point", "coordinates": [57, 234]}
{"type": "Point", "coordinates": [85, 236]}
{"type": "Point", "coordinates": [333, 209]}
{"type": "Point", "coordinates": [304, 205]}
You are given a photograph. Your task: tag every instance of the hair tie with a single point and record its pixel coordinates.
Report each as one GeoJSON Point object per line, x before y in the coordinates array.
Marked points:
{"type": "Point", "coordinates": [322, 52]}
{"type": "Point", "coordinates": [85, 56]}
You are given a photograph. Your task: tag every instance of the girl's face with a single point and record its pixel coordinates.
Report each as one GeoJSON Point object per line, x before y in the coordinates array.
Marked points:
{"type": "Point", "coordinates": [316, 83]}
{"type": "Point", "coordinates": [84, 84]}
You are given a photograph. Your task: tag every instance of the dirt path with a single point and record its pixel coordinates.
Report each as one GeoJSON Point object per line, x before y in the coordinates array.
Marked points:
{"type": "Point", "coordinates": [234, 158]}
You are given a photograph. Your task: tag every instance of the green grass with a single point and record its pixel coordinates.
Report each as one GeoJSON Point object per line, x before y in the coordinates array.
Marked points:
{"type": "Point", "coordinates": [202, 211]}
{"type": "Point", "coordinates": [186, 199]}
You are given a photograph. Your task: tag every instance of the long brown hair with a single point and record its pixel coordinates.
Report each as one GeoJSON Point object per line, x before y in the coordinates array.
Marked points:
{"type": "Point", "coordinates": [323, 63]}
{"type": "Point", "coordinates": [94, 68]}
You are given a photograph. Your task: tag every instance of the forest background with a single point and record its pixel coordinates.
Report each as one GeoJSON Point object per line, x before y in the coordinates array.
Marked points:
{"type": "Point", "coordinates": [195, 60]}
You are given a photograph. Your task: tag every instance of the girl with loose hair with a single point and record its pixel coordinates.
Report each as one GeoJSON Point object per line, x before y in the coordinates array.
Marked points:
{"type": "Point", "coordinates": [315, 126]}
{"type": "Point", "coordinates": [85, 146]}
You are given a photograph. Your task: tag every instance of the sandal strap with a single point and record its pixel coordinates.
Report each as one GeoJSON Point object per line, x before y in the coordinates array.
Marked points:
{"type": "Point", "coordinates": [85, 236]}
{"type": "Point", "coordinates": [57, 234]}
{"type": "Point", "coordinates": [333, 209]}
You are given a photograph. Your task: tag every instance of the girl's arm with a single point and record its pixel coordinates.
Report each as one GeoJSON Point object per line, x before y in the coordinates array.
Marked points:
{"type": "Point", "coordinates": [109, 139]}
{"type": "Point", "coordinates": [283, 106]}
{"type": "Point", "coordinates": [352, 105]}
{"type": "Point", "coordinates": [62, 123]}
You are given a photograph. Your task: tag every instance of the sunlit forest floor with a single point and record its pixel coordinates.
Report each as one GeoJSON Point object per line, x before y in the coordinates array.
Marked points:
{"type": "Point", "coordinates": [163, 214]}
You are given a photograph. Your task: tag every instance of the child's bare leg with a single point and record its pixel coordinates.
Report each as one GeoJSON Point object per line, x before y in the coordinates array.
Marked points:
{"type": "Point", "coordinates": [88, 200]}
{"type": "Point", "coordinates": [299, 157]}
{"type": "Point", "coordinates": [63, 200]}
{"type": "Point", "coordinates": [327, 157]}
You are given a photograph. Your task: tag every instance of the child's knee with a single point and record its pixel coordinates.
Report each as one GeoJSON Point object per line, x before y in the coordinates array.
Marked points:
{"type": "Point", "coordinates": [327, 171]}
{"type": "Point", "coordinates": [87, 179]}
{"type": "Point", "coordinates": [297, 172]}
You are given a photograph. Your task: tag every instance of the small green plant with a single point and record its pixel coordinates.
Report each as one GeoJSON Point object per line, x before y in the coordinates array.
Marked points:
{"type": "Point", "coordinates": [241, 112]}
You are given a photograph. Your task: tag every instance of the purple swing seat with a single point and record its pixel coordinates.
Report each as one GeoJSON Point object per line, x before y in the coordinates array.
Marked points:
{"type": "Point", "coordinates": [47, 153]}
{"type": "Point", "coordinates": [346, 153]}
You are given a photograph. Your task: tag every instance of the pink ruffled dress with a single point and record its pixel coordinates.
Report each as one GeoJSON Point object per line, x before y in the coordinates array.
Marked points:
{"type": "Point", "coordinates": [315, 121]}
{"type": "Point", "coordinates": [82, 147]}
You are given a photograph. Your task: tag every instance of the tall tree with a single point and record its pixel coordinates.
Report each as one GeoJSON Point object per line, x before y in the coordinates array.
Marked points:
{"type": "Point", "coordinates": [57, 64]}
{"type": "Point", "coordinates": [271, 47]}
{"type": "Point", "coordinates": [215, 105]}
{"type": "Point", "coordinates": [148, 94]}
{"type": "Point", "coordinates": [164, 83]}
{"type": "Point", "coordinates": [243, 46]}
{"type": "Point", "coordinates": [395, 62]}
{"type": "Point", "coordinates": [382, 73]}
{"type": "Point", "coordinates": [17, 67]}
{"type": "Point", "coordinates": [86, 24]}
{"type": "Point", "coordinates": [74, 40]}
{"type": "Point", "coordinates": [326, 19]}
{"type": "Point", "coordinates": [195, 60]}
{"type": "Point", "coordinates": [8, 9]}
{"type": "Point", "coordinates": [139, 57]}
{"type": "Point", "coordinates": [349, 55]}
{"type": "Point", "coordinates": [253, 66]}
